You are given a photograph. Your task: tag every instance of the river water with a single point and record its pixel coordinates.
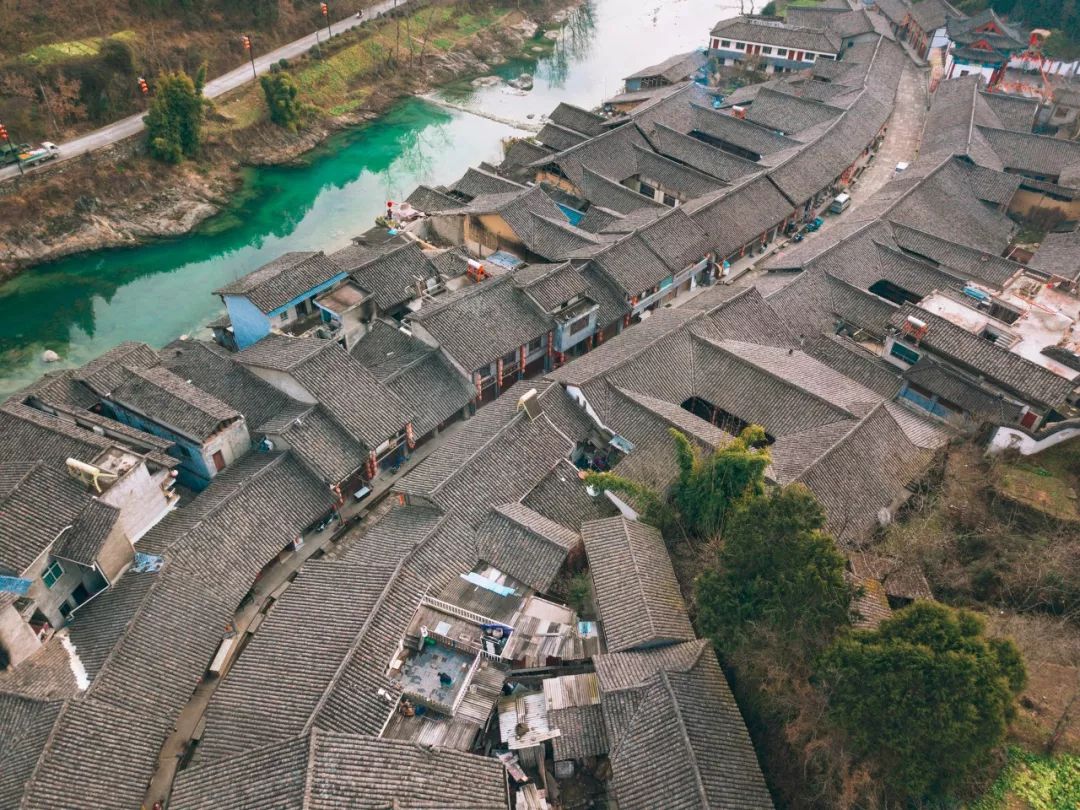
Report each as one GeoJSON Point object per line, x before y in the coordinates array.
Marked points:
{"type": "Point", "coordinates": [83, 305]}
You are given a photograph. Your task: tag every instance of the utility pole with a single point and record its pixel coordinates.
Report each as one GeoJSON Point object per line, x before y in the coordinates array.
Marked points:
{"type": "Point", "coordinates": [326, 14]}
{"type": "Point", "coordinates": [251, 54]}
{"type": "Point", "coordinates": [7, 139]}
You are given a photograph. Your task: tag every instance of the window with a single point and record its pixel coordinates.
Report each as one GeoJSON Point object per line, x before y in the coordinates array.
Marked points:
{"type": "Point", "coordinates": [510, 357]}
{"type": "Point", "coordinates": [536, 344]}
{"type": "Point", "coordinates": [902, 352]}
{"type": "Point", "coordinates": [669, 201]}
{"type": "Point", "coordinates": [740, 46]}
{"type": "Point", "coordinates": [52, 574]}
{"type": "Point", "coordinates": [725, 43]}
{"type": "Point", "coordinates": [810, 57]}
{"type": "Point", "coordinates": [647, 190]}
{"type": "Point", "coordinates": [781, 51]}
{"type": "Point", "coordinates": [284, 316]}
{"type": "Point", "coordinates": [766, 49]}
{"type": "Point", "coordinates": [579, 325]}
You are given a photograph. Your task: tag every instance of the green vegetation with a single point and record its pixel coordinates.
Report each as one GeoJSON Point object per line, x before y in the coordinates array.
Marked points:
{"type": "Point", "coordinates": [74, 49]}
{"type": "Point", "coordinates": [926, 697]}
{"type": "Point", "coordinates": [1034, 781]}
{"type": "Point", "coordinates": [174, 123]}
{"type": "Point", "coordinates": [285, 110]}
{"type": "Point", "coordinates": [777, 570]}
{"type": "Point", "coordinates": [707, 488]}
{"type": "Point", "coordinates": [579, 594]}
{"type": "Point", "coordinates": [1047, 482]}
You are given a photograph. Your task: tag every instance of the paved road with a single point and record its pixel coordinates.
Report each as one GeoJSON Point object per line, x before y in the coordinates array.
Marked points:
{"type": "Point", "coordinates": [126, 127]}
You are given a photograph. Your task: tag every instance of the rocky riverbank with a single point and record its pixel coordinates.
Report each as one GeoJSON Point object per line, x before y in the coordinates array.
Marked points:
{"type": "Point", "coordinates": [120, 196]}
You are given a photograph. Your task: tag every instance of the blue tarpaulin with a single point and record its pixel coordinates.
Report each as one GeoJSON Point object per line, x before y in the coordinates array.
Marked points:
{"type": "Point", "coordinates": [14, 585]}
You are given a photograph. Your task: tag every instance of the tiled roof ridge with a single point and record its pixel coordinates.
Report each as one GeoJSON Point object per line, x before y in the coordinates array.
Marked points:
{"type": "Point", "coordinates": [309, 774]}
{"type": "Point", "coordinates": [665, 680]}
{"type": "Point", "coordinates": [630, 123]}
{"type": "Point", "coordinates": [718, 345]}
{"type": "Point", "coordinates": [555, 526]}
{"type": "Point", "coordinates": [43, 754]}
{"type": "Point", "coordinates": [361, 634]}
{"type": "Point", "coordinates": [800, 478]}
{"type": "Point", "coordinates": [462, 294]}
{"type": "Point", "coordinates": [147, 374]}
{"type": "Point", "coordinates": [145, 598]}
{"type": "Point", "coordinates": [642, 574]}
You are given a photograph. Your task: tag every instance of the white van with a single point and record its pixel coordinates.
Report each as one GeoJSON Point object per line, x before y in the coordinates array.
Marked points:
{"type": "Point", "coordinates": [841, 203]}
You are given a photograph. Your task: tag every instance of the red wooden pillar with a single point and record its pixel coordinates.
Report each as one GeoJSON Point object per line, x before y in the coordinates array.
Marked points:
{"type": "Point", "coordinates": [521, 370]}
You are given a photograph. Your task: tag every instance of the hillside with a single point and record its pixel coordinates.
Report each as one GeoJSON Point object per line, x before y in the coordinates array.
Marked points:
{"type": "Point", "coordinates": [68, 67]}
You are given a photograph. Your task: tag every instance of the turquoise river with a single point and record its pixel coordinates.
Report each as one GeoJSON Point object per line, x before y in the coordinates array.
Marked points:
{"type": "Point", "coordinates": [83, 305]}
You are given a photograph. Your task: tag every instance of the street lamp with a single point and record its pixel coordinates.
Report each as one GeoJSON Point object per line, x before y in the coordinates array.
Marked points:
{"type": "Point", "coordinates": [7, 139]}
{"type": "Point", "coordinates": [251, 54]}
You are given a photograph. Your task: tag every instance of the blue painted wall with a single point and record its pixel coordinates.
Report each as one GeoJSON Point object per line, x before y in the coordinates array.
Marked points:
{"type": "Point", "coordinates": [249, 324]}
{"type": "Point", "coordinates": [564, 340]}
{"type": "Point", "coordinates": [193, 472]}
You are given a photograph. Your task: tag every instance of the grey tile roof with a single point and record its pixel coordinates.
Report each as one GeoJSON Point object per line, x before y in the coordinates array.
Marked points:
{"type": "Point", "coordinates": [843, 22]}
{"type": "Point", "coordinates": [525, 544]}
{"type": "Point", "coordinates": [216, 372]}
{"type": "Point", "coordinates": [683, 180]}
{"type": "Point", "coordinates": [386, 349]}
{"type": "Point", "coordinates": [957, 259]}
{"type": "Point", "coordinates": [782, 112]}
{"type": "Point", "coordinates": [431, 390]}
{"type": "Point", "coordinates": [793, 454]}
{"type": "Point", "coordinates": [1058, 255]}
{"type": "Point", "coordinates": [610, 154]}
{"type": "Point", "coordinates": [582, 732]}
{"type": "Point", "coordinates": [559, 138]}
{"type": "Point", "coordinates": [560, 496]}
{"type": "Point", "coordinates": [163, 397]}
{"type": "Point", "coordinates": [477, 181]}
{"type": "Point", "coordinates": [673, 107]}
{"type": "Point", "coordinates": [1009, 370]}
{"type": "Point", "coordinates": [768, 32]}
{"type": "Point", "coordinates": [392, 277]}
{"type": "Point", "coordinates": [727, 129]}
{"type": "Point", "coordinates": [496, 457]}
{"type": "Point", "coordinates": [701, 156]}
{"type": "Point", "coordinates": [551, 285]}
{"type": "Point", "coordinates": [783, 390]}
{"type": "Point", "coordinates": [603, 191]}
{"type": "Point", "coordinates": [83, 541]}
{"type": "Point", "coordinates": [327, 771]}
{"type": "Point", "coordinates": [1014, 112]}
{"type": "Point", "coordinates": [931, 15]}
{"type": "Point", "coordinates": [367, 248]}
{"type": "Point", "coordinates": [967, 393]}
{"type": "Point", "coordinates": [869, 469]}
{"type": "Point", "coordinates": [853, 361]}
{"type": "Point", "coordinates": [1033, 154]}
{"type": "Point", "coordinates": [365, 408]}
{"type": "Point", "coordinates": [734, 217]}
{"type": "Point", "coordinates": [351, 394]}
{"type": "Point", "coordinates": [99, 754]}
{"type": "Point", "coordinates": [59, 388]}
{"type": "Point", "coordinates": [429, 201]}
{"type": "Point", "coordinates": [597, 218]}
{"type": "Point", "coordinates": [674, 68]}
{"type": "Point", "coordinates": [680, 741]}
{"type": "Point", "coordinates": [105, 372]}
{"type": "Point", "coordinates": [634, 585]}
{"type": "Point", "coordinates": [37, 504]}
{"type": "Point", "coordinates": [287, 277]}
{"type": "Point", "coordinates": [26, 726]}
{"type": "Point", "coordinates": [482, 322]}
{"type": "Point", "coordinates": [951, 128]}
{"type": "Point", "coordinates": [324, 447]}
{"type": "Point", "coordinates": [577, 119]}
{"type": "Point", "coordinates": [523, 152]}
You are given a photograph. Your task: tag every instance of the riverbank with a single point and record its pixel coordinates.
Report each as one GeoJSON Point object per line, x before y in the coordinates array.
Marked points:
{"type": "Point", "coordinates": [121, 197]}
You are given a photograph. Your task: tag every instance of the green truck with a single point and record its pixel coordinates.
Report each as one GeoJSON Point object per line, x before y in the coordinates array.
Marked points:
{"type": "Point", "coordinates": [9, 152]}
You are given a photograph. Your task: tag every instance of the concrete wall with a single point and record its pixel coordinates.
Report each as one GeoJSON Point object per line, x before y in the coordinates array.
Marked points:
{"type": "Point", "coordinates": [284, 382]}
{"type": "Point", "coordinates": [449, 228]}
{"type": "Point", "coordinates": [232, 441]}
{"type": "Point", "coordinates": [16, 637]}
{"type": "Point", "coordinates": [116, 554]}
{"type": "Point", "coordinates": [1012, 439]}
{"type": "Point", "coordinates": [248, 322]}
{"type": "Point", "coordinates": [140, 499]}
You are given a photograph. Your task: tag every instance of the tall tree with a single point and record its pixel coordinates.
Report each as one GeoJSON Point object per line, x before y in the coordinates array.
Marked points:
{"type": "Point", "coordinates": [777, 569]}
{"type": "Point", "coordinates": [285, 110]}
{"type": "Point", "coordinates": [927, 697]}
{"type": "Point", "coordinates": [174, 122]}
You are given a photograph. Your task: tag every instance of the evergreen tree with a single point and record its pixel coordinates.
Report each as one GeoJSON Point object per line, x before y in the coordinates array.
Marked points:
{"type": "Point", "coordinates": [174, 123]}
{"type": "Point", "coordinates": [777, 569]}
{"type": "Point", "coordinates": [926, 696]}
{"type": "Point", "coordinates": [285, 110]}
